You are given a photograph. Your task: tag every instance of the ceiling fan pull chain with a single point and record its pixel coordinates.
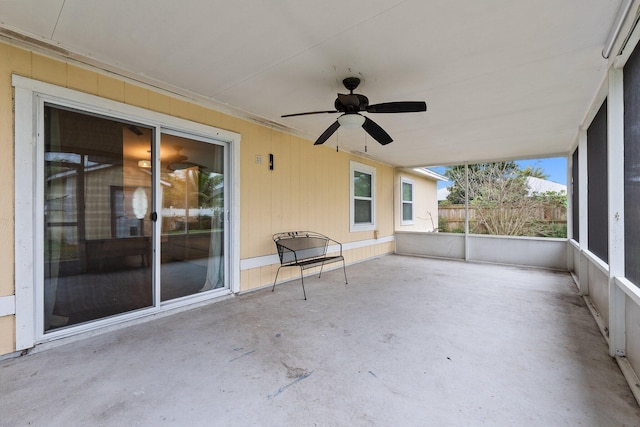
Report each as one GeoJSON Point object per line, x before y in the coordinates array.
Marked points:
{"type": "Point", "coordinates": [337, 141]}
{"type": "Point", "coordinates": [365, 142]}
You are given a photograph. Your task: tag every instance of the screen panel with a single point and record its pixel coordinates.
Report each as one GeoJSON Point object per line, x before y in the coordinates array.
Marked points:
{"type": "Point", "coordinates": [597, 186]}
{"type": "Point", "coordinates": [632, 167]}
{"type": "Point", "coordinates": [575, 196]}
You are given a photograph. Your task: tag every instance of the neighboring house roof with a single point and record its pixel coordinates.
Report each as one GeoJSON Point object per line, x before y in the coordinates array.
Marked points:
{"type": "Point", "coordinates": [536, 185]}
{"type": "Point", "coordinates": [428, 173]}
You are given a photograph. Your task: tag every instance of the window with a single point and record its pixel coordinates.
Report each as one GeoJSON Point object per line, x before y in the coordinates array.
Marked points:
{"type": "Point", "coordinates": [407, 202]}
{"type": "Point", "coordinates": [362, 196]}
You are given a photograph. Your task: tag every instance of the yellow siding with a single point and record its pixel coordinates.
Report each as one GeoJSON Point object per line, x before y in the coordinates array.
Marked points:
{"type": "Point", "coordinates": [135, 95]}
{"type": "Point", "coordinates": [49, 70]}
{"type": "Point", "coordinates": [82, 80]}
{"type": "Point", "coordinates": [111, 88]}
{"type": "Point", "coordinates": [159, 102]}
{"type": "Point", "coordinates": [7, 334]}
{"type": "Point", "coordinates": [425, 202]}
{"type": "Point", "coordinates": [179, 108]}
{"type": "Point", "coordinates": [307, 190]}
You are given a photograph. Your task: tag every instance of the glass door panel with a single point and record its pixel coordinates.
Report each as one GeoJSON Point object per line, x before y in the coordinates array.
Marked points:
{"type": "Point", "coordinates": [97, 231]}
{"type": "Point", "coordinates": [193, 226]}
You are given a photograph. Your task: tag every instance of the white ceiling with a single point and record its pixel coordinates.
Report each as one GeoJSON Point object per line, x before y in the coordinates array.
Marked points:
{"type": "Point", "coordinates": [501, 78]}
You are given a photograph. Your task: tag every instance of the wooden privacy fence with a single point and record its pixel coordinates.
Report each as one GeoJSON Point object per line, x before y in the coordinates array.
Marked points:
{"type": "Point", "coordinates": [451, 217]}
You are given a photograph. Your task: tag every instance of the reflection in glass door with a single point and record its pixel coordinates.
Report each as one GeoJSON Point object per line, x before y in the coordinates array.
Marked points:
{"type": "Point", "coordinates": [193, 216]}
{"type": "Point", "coordinates": [97, 231]}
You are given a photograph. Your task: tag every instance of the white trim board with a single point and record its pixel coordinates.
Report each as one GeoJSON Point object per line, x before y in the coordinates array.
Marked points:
{"type": "Point", "coordinates": [263, 261]}
{"type": "Point", "coordinates": [7, 305]}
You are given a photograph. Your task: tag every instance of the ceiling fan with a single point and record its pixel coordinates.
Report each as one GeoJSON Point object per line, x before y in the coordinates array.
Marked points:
{"type": "Point", "coordinates": [178, 161]}
{"type": "Point", "coordinates": [352, 104]}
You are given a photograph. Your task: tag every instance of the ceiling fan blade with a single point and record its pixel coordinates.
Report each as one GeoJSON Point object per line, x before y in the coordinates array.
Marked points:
{"type": "Point", "coordinates": [376, 131]}
{"type": "Point", "coordinates": [398, 107]}
{"type": "Point", "coordinates": [327, 133]}
{"type": "Point", "coordinates": [310, 112]}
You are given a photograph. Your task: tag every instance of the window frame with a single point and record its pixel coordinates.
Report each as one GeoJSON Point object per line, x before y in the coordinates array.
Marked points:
{"type": "Point", "coordinates": [411, 202]}
{"type": "Point", "coordinates": [371, 171]}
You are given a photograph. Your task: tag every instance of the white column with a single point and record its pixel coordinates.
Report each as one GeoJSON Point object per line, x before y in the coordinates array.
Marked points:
{"type": "Point", "coordinates": [583, 212]}
{"type": "Point", "coordinates": [466, 211]}
{"type": "Point", "coordinates": [25, 154]}
{"type": "Point", "coordinates": [615, 167]}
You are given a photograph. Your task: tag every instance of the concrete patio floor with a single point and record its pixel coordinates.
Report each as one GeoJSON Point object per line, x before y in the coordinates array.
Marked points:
{"type": "Point", "coordinates": [410, 341]}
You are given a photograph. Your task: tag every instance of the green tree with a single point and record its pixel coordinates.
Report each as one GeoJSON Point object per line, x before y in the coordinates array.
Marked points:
{"type": "Point", "coordinates": [485, 181]}
{"type": "Point", "coordinates": [535, 172]}
{"type": "Point", "coordinates": [499, 195]}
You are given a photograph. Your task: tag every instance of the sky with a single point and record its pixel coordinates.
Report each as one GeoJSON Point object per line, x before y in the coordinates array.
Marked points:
{"type": "Point", "coordinates": [555, 168]}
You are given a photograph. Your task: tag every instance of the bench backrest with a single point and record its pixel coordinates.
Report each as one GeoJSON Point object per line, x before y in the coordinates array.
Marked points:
{"type": "Point", "coordinates": [300, 245]}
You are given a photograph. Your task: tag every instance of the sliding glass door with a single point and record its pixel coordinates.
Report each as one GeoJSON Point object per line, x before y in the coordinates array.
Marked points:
{"type": "Point", "coordinates": [123, 232]}
{"type": "Point", "coordinates": [97, 226]}
{"type": "Point", "coordinates": [192, 183]}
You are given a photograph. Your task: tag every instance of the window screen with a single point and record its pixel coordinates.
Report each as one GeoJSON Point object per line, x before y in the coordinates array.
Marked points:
{"type": "Point", "coordinates": [362, 197]}
{"type": "Point", "coordinates": [407, 201]}
{"type": "Point", "coordinates": [597, 200]}
{"type": "Point", "coordinates": [362, 200]}
{"type": "Point", "coordinates": [632, 167]}
{"type": "Point", "coordinates": [575, 213]}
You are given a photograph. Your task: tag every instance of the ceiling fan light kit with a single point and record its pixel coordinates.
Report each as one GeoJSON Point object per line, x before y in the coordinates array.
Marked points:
{"type": "Point", "coordinates": [351, 121]}
{"type": "Point", "coordinates": [352, 104]}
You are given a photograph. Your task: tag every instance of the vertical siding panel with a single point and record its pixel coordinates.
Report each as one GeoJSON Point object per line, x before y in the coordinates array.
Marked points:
{"type": "Point", "coordinates": [324, 180]}
{"type": "Point", "coordinates": [179, 108]}
{"type": "Point", "coordinates": [48, 70]}
{"type": "Point", "coordinates": [306, 171]}
{"type": "Point", "coordinates": [225, 121]}
{"type": "Point", "coordinates": [283, 171]}
{"type": "Point", "coordinates": [7, 334]}
{"type": "Point", "coordinates": [111, 88]}
{"type": "Point", "coordinates": [203, 115]}
{"type": "Point", "coordinates": [135, 95]}
{"type": "Point", "coordinates": [254, 279]}
{"type": "Point", "coordinates": [82, 79]}
{"type": "Point", "coordinates": [16, 61]}
{"type": "Point", "coordinates": [245, 198]}
{"type": "Point", "coordinates": [275, 176]}
{"type": "Point", "coordinates": [159, 102]}
{"type": "Point", "coordinates": [294, 184]}
{"type": "Point", "coordinates": [264, 209]}
{"type": "Point", "coordinates": [250, 194]}
{"type": "Point", "coordinates": [244, 279]}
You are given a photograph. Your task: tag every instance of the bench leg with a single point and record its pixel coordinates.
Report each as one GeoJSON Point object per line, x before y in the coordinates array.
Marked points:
{"type": "Point", "coordinates": [344, 269]}
{"type": "Point", "coordinates": [276, 279]}
{"type": "Point", "coordinates": [302, 280]}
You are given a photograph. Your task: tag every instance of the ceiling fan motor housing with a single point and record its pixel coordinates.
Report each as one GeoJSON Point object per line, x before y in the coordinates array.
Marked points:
{"type": "Point", "coordinates": [351, 83]}
{"type": "Point", "coordinates": [351, 103]}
